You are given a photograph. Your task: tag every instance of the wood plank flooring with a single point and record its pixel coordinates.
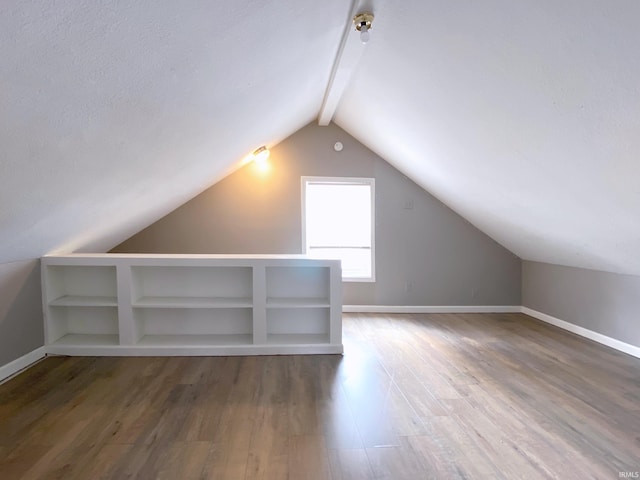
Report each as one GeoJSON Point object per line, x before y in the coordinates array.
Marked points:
{"type": "Point", "coordinates": [438, 396]}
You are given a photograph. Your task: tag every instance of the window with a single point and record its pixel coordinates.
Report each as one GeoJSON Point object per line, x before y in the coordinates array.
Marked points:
{"type": "Point", "coordinates": [338, 222]}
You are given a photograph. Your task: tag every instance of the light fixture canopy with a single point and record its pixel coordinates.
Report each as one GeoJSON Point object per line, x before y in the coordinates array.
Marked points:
{"type": "Point", "coordinates": [261, 154]}
{"type": "Point", "coordinates": [363, 22]}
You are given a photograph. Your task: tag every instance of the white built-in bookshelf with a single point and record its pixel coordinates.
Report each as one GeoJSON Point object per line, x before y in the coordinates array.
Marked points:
{"type": "Point", "coordinates": [119, 304]}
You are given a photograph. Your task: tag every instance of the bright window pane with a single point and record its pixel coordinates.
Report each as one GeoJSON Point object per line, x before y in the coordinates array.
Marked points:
{"type": "Point", "coordinates": [338, 224]}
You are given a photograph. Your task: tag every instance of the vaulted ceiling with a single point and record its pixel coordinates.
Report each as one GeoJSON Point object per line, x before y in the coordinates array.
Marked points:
{"type": "Point", "coordinates": [521, 116]}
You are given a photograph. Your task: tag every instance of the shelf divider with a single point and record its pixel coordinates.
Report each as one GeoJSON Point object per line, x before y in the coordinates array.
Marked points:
{"type": "Point", "coordinates": [259, 305]}
{"type": "Point", "coordinates": [126, 325]}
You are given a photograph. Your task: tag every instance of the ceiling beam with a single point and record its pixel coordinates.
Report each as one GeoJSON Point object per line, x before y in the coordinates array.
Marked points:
{"type": "Point", "coordinates": [347, 59]}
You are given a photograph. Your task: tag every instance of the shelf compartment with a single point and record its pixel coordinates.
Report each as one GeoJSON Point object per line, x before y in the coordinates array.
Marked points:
{"type": "Point", "coordinates": [298, 282]}
{"type": "Point", "coordinates": [290, 326]}
{"type": "Point", "coordinates": [72, 324]}
{"type": "Point", "coordinates": [193, 302]}
{"type": "Point", "coordinates": [85, 301]}
{"type": "Point", "coordinates": [75, 282]}
{"type": "Point", "coordinates": [190, 286]}
{"type": "Point", "coordinates": [170, 325]}
{"type": "Point", "coordinates": [297, 302]}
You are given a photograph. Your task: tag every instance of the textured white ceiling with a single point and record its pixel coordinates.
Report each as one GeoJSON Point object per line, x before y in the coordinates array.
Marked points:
{"type": "Point", "coordinates": [521, 116]}
{"type": "Point", "coordinates": [114, 113]}
{"type": "Point", "coordinates": [524, 117]}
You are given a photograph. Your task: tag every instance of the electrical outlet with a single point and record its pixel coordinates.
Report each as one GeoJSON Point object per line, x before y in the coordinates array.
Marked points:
{"type": "Point", "coordinates": [474, 292]}
{"type": "Point", "coordinates": [408, 204]}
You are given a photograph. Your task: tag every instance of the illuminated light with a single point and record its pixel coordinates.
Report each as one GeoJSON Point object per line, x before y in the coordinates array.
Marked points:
{"type": "Point", "coordinates": [262, 166]}
{"type": "Point", "coordinates": [260, 155]}
{"type": "Point", "coordinates": [260, 158]}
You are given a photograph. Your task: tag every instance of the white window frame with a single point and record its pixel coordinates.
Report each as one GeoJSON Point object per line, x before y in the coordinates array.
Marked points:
{"type": "Point", "coordinates": [344, 181]}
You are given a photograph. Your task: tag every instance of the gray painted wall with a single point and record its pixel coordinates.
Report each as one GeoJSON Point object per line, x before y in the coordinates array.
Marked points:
{"type": "Point", "coordinates": [21, 323]}
{"type": "Point", "coordinates": [607, 303]}
{"type": "Point", "coordinates": [426, 255]}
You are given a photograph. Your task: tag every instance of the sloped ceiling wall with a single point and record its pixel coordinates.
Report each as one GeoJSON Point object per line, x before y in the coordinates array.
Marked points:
{"type": "Point", "coordinates": [114, 113]}
{"type": "Point", "coordinates": [521, 116]}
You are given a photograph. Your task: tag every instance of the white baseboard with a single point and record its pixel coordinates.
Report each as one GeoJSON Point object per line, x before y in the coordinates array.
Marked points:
{"type": "Point", "coordinates": [584, 332]}
{"type": "Point", "coordinates": [430, 309]}
{"type": "Point", "coordinates": [21, 363]}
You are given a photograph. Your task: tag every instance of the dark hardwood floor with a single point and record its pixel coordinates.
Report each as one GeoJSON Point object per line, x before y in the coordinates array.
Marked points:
{"type": "Point", "coordinates": [441, 396]}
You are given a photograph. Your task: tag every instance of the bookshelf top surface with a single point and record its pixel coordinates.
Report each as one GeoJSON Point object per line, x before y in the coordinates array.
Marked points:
{"type": "Point", "coordinates": [130, 256]}
{"type": "Point", "coordinates": [111, 259]}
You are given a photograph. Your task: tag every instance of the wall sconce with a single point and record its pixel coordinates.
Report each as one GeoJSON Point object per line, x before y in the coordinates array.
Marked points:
{"type": "Point", "coordinates": [260, 155]}
{"type": "Point", "coordinates": [363, 21]}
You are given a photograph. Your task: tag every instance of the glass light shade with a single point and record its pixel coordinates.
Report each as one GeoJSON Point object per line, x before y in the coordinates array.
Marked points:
{"type": "Point", "coordinates": [364, 34]}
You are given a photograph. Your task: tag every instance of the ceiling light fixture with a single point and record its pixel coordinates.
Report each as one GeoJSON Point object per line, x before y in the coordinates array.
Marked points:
{"type": "Point", "coordinates": [363, 21]}
{"type": "Point", "coordinates": [261, 154]}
